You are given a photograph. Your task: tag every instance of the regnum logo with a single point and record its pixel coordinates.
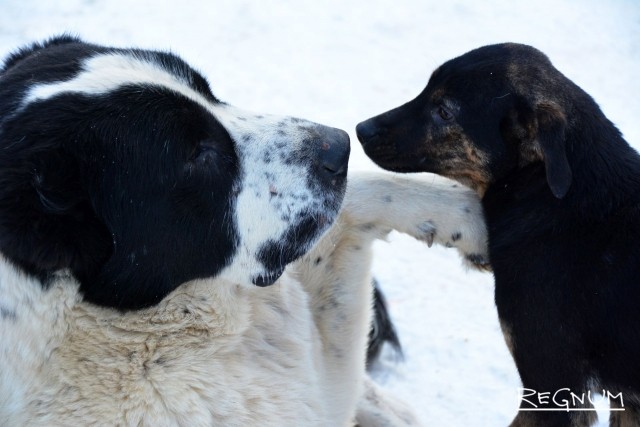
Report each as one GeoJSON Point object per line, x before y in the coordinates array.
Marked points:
{"type": "Point", "coordinates": [565, 399]}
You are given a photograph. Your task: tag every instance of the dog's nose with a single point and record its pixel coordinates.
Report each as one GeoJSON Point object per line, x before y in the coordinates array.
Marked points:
{"type": "Point", "coordinates": [367, 131]}
{"type": "Point", "coordinates": [334, 152]}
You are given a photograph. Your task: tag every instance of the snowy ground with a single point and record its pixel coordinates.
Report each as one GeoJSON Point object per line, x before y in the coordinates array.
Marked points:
{"type": "Point", "coordinates": [338, 62]}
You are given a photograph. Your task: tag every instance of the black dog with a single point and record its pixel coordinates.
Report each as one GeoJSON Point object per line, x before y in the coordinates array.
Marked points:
{"type": "Point", "coordinates": [561, 193]}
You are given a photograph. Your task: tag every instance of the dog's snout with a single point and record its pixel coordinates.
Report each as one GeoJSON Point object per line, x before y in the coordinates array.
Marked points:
{"type": "Point", "coordinates": [367, 131]}
{"type": "Point", "coordinates": [334, 152]}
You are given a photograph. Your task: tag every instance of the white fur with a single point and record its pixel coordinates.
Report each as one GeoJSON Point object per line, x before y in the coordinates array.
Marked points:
{"type": "Point", "coordinates": [214, 352]}
{"type": "Point", "coordinates": [261, 216]}
{"type": "Point", "coordinates": [106, 72]}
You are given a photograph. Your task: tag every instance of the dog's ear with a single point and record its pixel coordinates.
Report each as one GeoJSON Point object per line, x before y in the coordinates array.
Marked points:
{"type": "Point", "coordinates": [47, 223]}
{"type": "Point", "coordinates": [551, 137]}
{"type": "Point", "coordinates": [539, 132]}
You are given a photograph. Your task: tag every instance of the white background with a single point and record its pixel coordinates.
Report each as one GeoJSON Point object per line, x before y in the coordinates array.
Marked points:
{"type": "Point", "coordinates": [339, 62]}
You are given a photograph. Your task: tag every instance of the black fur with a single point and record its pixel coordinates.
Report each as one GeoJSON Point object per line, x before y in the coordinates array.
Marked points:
{"type": "Point", "coordinates": [382, 328]}
{"type": "Point", "coordinates": [112, 186]}
{"type": "Point", "coordinates": [561, 194]}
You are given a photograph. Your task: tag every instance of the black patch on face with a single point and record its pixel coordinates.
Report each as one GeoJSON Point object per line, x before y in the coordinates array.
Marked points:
{"type": "Point", "coordinates": [264, 280]}
{"type": "Point", "coordinates": [276, 254]}
{"type": "Point", "coordinates": [132, 190]}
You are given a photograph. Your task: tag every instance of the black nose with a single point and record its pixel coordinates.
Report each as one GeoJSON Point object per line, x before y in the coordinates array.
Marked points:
{"type": "Point", "coordinates": [367, 131]}
{"type": "Point", "coordinates": [334, 152]}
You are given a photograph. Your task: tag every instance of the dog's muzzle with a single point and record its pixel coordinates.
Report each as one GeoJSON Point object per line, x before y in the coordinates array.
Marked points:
{"type": "Point", "coordinates": [333, 154]}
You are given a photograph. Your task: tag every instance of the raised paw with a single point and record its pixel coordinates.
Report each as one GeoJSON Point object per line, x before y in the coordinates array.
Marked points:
{"type": "Point", "coordinates": [426, 233]}
{"type": "Point", "coordinates": [466, 233]}
{"type": "Point", "coordinates": [478, 262]}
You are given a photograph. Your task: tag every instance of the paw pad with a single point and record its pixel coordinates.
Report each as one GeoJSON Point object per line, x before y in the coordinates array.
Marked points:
{"type": "Point", "coordinates": [478, 261]}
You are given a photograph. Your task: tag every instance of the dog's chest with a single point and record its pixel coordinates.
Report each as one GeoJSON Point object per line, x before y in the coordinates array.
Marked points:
{"type": "Point", "coordinates": [182, 367]}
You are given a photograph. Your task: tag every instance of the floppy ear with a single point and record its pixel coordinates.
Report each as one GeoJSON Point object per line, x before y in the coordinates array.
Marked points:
{"type": "Point", "coordinates": [47, 223]}
{"type": "Point", "coordinates": [539, 132]}
{"type": "Point", "coordinates": [551, 138]}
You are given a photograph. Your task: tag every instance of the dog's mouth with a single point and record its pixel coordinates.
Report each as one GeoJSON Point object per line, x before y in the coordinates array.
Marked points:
{"type": "Point", "coordinates": [276, 254]}
{"type": "Point", "coordinates": [396, 162]}
{"type": "Point", "coordinates": [268, 279]}
{"type": "Point", "coordinates": [393, 161]}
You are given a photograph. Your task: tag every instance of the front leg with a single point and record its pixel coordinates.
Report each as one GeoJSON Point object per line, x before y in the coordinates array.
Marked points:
{"type": "Point", "coordinates": [336, 272]}
{"type": "Point", "coordinates": [425, 206]}
{"type": "Point", "coordinates": [377, 408]}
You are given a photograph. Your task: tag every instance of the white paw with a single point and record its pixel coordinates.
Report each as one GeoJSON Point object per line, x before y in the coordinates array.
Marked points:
{"type": "Point", "coordinates": [467, 234]}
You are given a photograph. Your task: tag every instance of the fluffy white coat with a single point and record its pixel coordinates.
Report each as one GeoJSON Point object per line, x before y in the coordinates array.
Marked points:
{"type": "Point", "coordinates": [216, 353]}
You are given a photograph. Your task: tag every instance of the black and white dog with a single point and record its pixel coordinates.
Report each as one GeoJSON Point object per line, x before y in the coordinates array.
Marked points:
{"type": "Point", "coordinates": [168, 259]}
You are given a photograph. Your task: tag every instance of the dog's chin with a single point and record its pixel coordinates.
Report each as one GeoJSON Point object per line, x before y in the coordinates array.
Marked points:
{"type": "Point", "coordinates": [394, 166]}
{"type": "Point", "coordinates": [275, 255]}
{"type": "Point", "coordinates": [268, 278]}
{"type": "Point", "coordinates": [402, 164]}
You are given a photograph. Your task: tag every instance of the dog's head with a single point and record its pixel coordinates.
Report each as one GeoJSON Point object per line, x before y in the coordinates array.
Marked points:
{"type": "Point", "coordinates": [482, 115]}
{"type": "Point", "coordinates": [122, 167]}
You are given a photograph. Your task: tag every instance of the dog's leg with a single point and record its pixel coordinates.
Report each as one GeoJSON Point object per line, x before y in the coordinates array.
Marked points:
{"type": "Point", "coordinates": [377, 409]}
{"type": "Point", "coordinates": [425, 206]}
{"type": "Point", "coordinates": [627, 418]}
{"type": "Point", "coordinates": [546, 385]}
{"type": "Point", "coordinates": [568, 419]}
{"type": "Point", "coordinates": [336, 272]}
{"type": "Point", "coordinates": [556, 419]}
{"type": "Point", "coordinates": [540, 404]}
{"type": "Point", "coordinates": [336, 276]}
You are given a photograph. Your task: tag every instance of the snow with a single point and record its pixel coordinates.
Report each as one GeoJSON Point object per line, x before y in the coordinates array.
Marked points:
{"type": "Point", "coordinates": [339, 62]}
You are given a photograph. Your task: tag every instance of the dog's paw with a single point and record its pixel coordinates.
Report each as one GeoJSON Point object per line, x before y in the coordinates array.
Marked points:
{"type": "Point", "coordinates": [477, 262]}
{"type": "Point", "coordinates": [467, 235]}
{"type": "Point", "coordinates": [425, 232]}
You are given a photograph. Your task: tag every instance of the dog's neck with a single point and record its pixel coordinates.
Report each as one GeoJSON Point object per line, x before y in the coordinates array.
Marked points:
{"type": "Point", "coordinates": [201, 305]}
{"type": "Point", "coordinates": [601, 159]}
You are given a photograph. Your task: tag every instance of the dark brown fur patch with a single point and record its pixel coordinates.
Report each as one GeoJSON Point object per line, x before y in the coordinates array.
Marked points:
{"type": "Point", "coordinates": [459, 159]}
{"type": "Point", "coordinates": [630, 417]}
{"type": "Point", "coordinates": [583, 419]}
{"type": "Point", "coordinates": [437, 94]}
{"type": "Point", "coordinates": [530, 152]}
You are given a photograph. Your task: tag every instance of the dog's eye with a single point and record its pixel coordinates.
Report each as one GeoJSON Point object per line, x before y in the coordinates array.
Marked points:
{"type": "Point", "coordinates": [445, 114]}
{"type": "Point", "coordinates": [204, 151]}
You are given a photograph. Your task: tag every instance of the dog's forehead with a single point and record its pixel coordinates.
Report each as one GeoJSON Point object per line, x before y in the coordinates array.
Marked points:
{"type": "Point", "coordinates": [492, 65]}
{"type": "Point", "coordinates": [254, 131]}
{"type": "Point", "coordinates": [107, 72]}
{"type": "Point", "coordinates": [467, 81]}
